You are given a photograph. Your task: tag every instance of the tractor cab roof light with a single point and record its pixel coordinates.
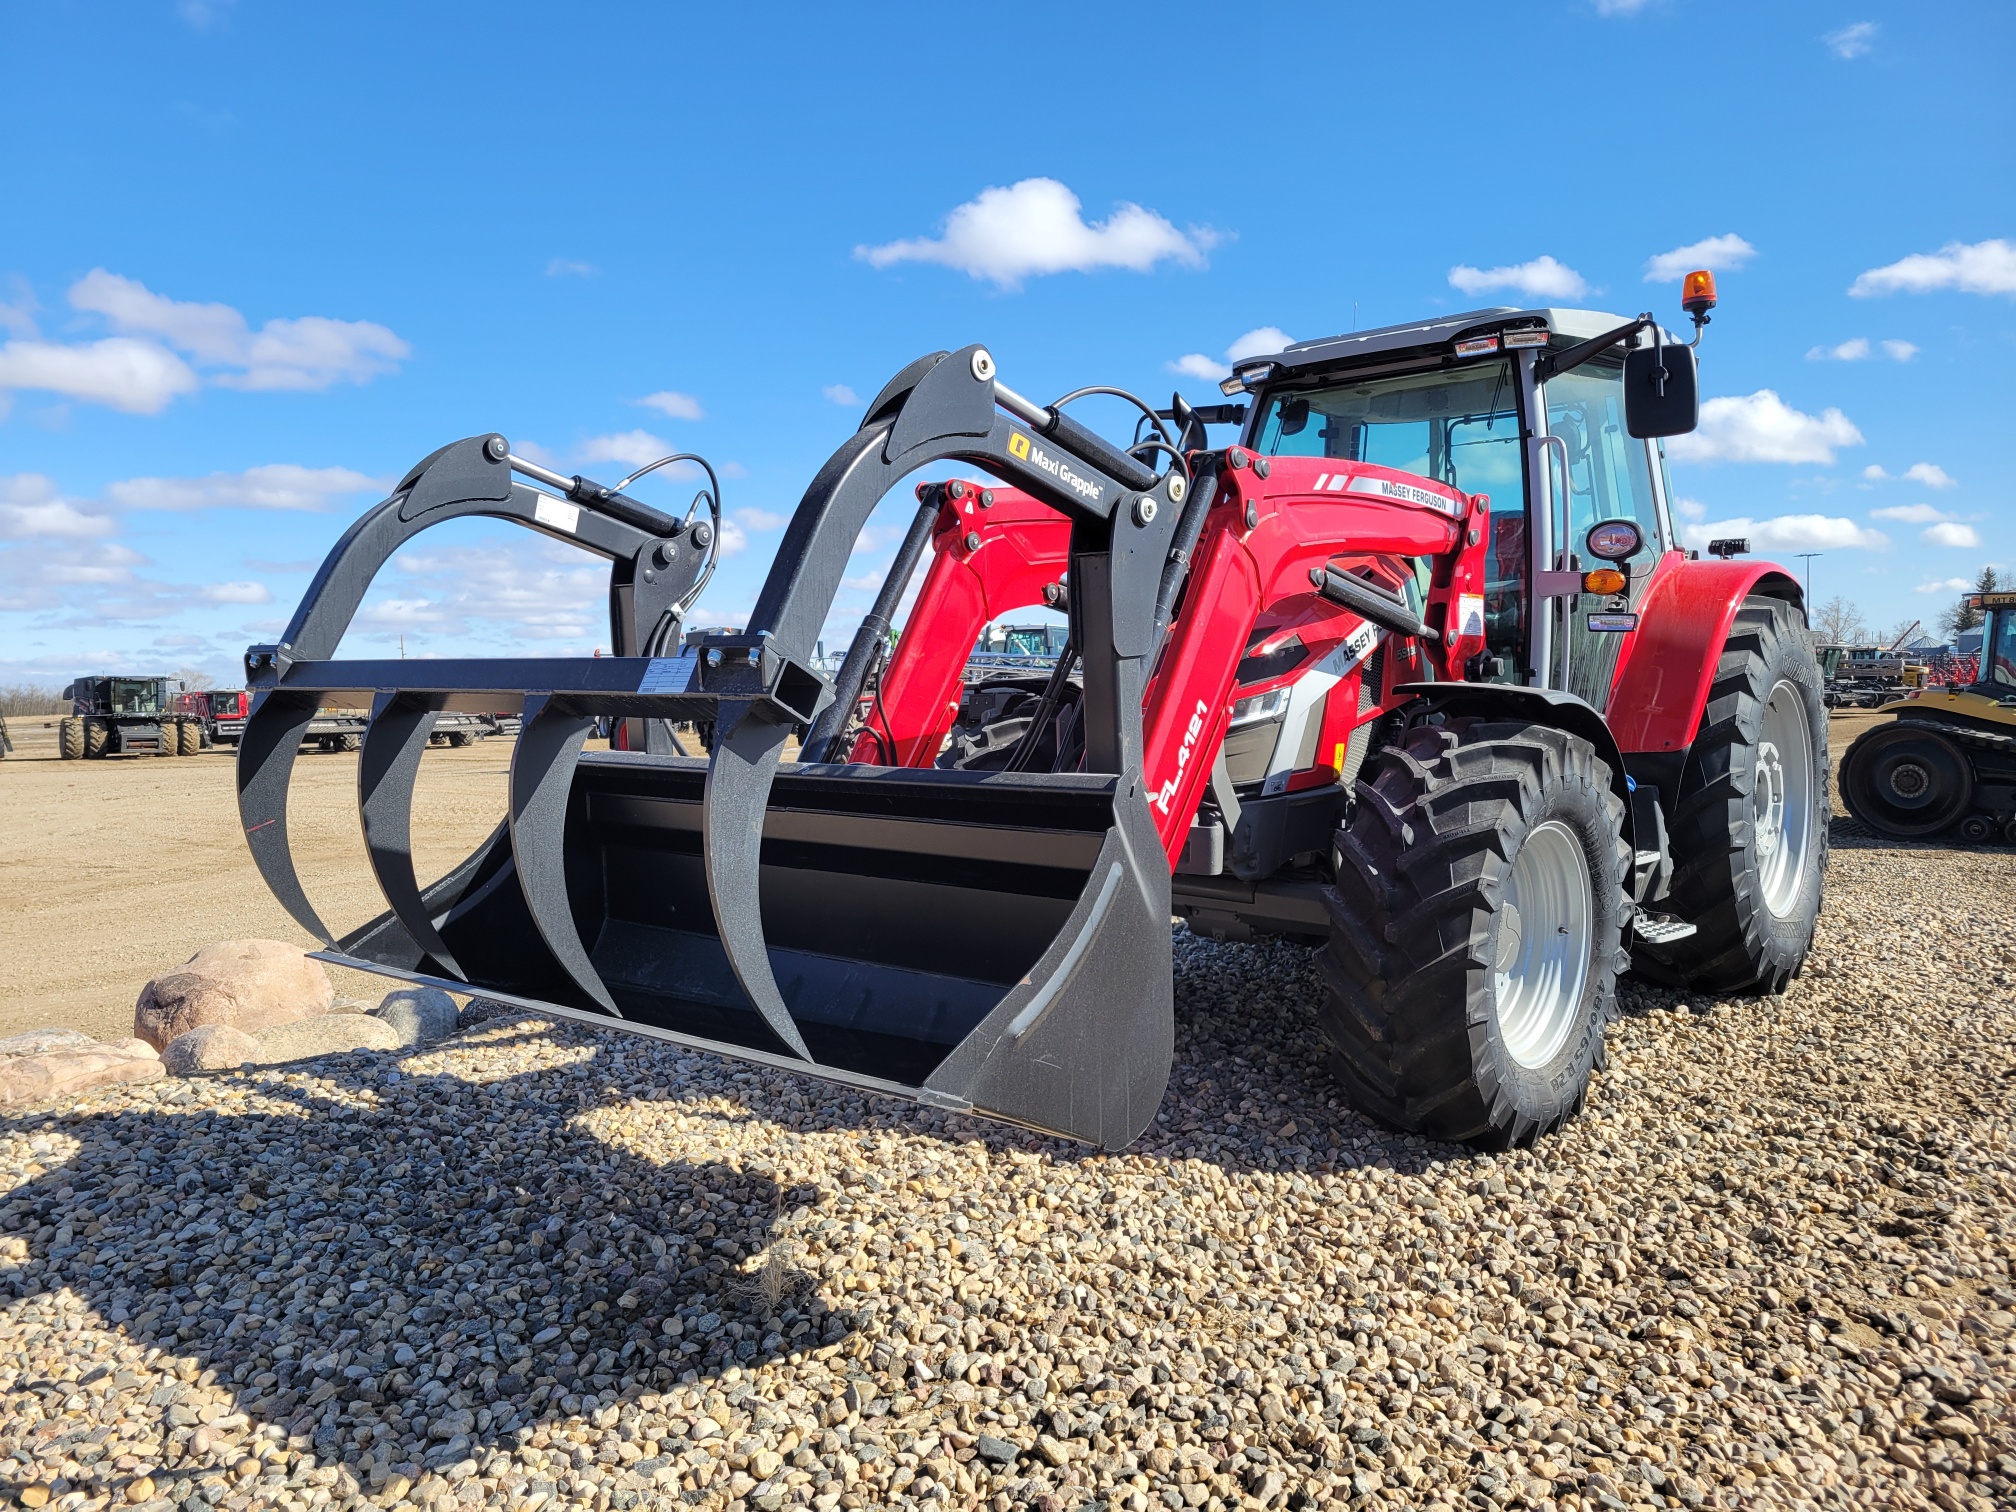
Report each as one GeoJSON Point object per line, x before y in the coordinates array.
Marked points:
{"type": "Point", "coordinates": [1536, 337]}
{"type": "Point", "coordinates": [1732, 546]}
{"type": "Point", "coordinates": [1245, 379]}
{"type": "Point", "coordinates": [1697, 298]}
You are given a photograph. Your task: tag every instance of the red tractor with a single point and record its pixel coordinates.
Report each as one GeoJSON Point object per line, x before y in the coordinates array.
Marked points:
{"type": "Point", "coordinates": [1414, 672]}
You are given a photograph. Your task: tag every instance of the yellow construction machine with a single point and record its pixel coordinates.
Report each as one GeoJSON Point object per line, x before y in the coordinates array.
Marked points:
{"type": "Point", "coordinates": [1946, 759]}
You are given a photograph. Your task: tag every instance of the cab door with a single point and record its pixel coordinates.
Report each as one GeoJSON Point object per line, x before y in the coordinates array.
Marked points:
{"type": "Point", "coordinates": [1609, 477]}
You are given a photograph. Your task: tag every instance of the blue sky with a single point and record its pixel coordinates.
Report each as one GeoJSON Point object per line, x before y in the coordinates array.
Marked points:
{"type": "Point", "coordinates": [256, 260]}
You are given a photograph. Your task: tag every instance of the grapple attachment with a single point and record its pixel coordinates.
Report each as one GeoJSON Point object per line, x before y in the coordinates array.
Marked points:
{"type": "Point", "coordinates": [996, 942]}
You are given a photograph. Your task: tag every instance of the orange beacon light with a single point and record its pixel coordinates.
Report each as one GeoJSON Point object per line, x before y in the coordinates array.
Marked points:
{"type": "Point", "coordinates": [1697, 293]}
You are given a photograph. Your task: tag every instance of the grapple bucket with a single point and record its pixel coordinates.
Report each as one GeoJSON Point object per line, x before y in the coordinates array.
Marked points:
{"type": "Point", "coordinates": [995, 942]}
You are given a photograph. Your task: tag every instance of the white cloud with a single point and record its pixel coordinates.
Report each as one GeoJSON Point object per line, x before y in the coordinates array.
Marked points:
{"type": "Point", "coordinates": [633, 448]}
{"type": "Point", "coordinates": [1034, 227]}
{"type": "Point", "coordinates": [1930, 474]}
{"type": "Point", "coordinates": [507, 591]}
{"type": "Point", "coordinates": [31, 508]}
{"type": "Point", "coordinates": [1946, 585]}
{"type": "Point", "coordinates": [1542, 278]}
{"type": "Point", "coordinates": [1724, 254]}
{"type": "Point", "coordinates": [1987, 267]}
{"type": "Point", "coordinates": [277, 485]}
{"type": "Point", "coordinates": [762, 519]}
{"type": "Point", "coordinates": [568, 267]}
{"type": "Point", "coordinates": [139, 377]}
{"type": "Point", "coordinates": [237, 593]}
{"type": "Point", "coordinates": [1852, 41]}
{"type": "Point", "coordinates": [1805, 532]}
{"type": "Point", "coordinates": [1950, 533]}
{"type": "Point", "coordinates": [1619, 7]}
{"type": "Point", "coordinates": [1857, 349]}
{"type": "Point", "coordinates": [1909, 514]}
{"type": "Point", "coordinates": [841, 395]}
{"type": "Point", "coordinates": [1257, 342]}
{"type": "Point", "coordinates": [306, 353]}
{"type": "Point", "coordinates": [676, 405]}
{"type": "Point", "coordinates": [18, 319]}
{"type": "Point", "coordinates": [1691, 509]}
{"type": "Point", "coordinates": [1761, 427]}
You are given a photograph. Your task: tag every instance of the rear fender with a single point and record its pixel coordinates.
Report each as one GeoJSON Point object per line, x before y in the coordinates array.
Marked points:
{"type": "Point", "coordinates": [1546, 706]}
{"type": "Point", "coordinates": [1667, 665]}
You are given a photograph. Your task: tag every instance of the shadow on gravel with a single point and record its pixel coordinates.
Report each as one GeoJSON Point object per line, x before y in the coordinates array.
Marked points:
{"type": "Point", "coordinates": [343, 1267]}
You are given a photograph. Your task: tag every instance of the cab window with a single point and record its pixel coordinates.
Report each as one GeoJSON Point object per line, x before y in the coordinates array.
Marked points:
{"type": "Point", "coordinates": [1609, 473]}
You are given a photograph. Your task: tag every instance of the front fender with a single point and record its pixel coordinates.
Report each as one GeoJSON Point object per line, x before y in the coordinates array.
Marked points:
{"type": "Point", "coordinates": [1547, 706]}
{"type": "Point", "coordinates": [1667, 665]}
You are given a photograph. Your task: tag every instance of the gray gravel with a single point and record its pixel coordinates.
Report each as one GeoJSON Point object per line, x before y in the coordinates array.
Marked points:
{"type": "Point", "coordinates": [537, 1266]}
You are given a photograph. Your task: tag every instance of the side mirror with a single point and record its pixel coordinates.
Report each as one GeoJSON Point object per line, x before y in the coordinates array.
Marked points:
{"type": "Point", "coordinates": [1662, 395]}
{"type": "Point", "coordinates": [1614, 540]}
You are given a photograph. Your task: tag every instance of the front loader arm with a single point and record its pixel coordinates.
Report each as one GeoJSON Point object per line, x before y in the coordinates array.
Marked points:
{"type": "Point", "coordinates": [994, 550]}
{"type": "Point", "coordinates": [1276, 521]}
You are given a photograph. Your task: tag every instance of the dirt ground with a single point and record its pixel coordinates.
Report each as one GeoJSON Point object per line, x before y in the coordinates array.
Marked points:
{"type": "Point", "coordinates": [113, 871]}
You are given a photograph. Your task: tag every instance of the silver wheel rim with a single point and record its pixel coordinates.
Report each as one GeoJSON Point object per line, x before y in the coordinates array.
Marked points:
{"type": "Point", "coordinates": [1544, 928]}
{"type": "Point", "coordinates": [1781, 798]}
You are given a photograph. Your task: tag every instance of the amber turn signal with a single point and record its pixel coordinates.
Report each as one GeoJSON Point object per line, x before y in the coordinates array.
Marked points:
{"type": "Point", "coordinates": [1697, 292]}
{"type": "Point", "coordinates": [1603, 580]}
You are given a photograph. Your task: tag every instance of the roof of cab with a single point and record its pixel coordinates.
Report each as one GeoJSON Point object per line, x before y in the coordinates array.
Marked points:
{"type": "Point", "coordinates": [1335, 351]}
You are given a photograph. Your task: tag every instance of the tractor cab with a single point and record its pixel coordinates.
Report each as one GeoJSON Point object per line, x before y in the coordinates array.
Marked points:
{"type": "Point", "coordinates": [1555, 415]}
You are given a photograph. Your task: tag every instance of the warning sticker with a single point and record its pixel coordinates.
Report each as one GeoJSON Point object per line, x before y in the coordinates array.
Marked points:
{"type": "Point", "coordinates": [669, 674]}
{"type": "Point", "coordinates": [557, 514]}
{"type": "Point", "coordinates": [1469, 614]}
{"type": "Point", "coordinates": [1612, 623]}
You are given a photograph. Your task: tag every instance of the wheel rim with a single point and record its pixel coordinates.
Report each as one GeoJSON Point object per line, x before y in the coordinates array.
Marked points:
{"type": "Point", "coordinates": [1544, 928]}
{"type": "Point", "coordinates": [1781, 797]}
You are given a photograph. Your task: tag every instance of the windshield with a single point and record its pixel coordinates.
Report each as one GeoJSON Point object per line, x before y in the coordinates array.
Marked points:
{"type": "Point", "coordinates": [134, 695]}
{"type": "Point", "coordinates": [1458, 426]}
{"type": "Point", "coordinates": [1998, 646]}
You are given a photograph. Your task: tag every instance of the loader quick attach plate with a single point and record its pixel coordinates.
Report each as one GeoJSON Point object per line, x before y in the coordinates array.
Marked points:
{"type": "Point", "coordinates": [984, 941]}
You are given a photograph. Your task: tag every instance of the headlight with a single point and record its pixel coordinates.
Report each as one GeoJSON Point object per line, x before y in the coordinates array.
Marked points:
{"type": "Point", "coordinates": [1261, 706]}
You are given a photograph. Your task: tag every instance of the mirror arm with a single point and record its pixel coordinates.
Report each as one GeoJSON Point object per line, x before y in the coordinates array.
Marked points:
{"type": "Point", "coordinates": [1573, 357]}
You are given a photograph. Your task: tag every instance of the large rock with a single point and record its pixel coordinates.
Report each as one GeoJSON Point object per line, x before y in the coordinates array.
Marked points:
{"type": "Point", "coordinates": [252, 985]}
{"type": "Point", "coordinates": [66, 1072]}
{"type": "Point", "coordinates": [420, 1015]}
{"type": "Point", "coordinates": [213, 1047]}
{"type": "Point", "coordinates": [330, 1034]}
{"type": "Point", "coordinates": [41, 1041]}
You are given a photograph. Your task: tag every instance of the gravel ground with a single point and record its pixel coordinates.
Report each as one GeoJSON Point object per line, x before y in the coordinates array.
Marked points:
{"type": "Point", "coordinates": [542, 1267]}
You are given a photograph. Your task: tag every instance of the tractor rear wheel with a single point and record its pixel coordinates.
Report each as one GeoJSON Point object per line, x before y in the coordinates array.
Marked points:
{"type": "Point", "coordinates": [1477, 931]}
{"type": "Point", "coordinates": [1750, 821]}
{"type": "Point", "coordinates": [189, 735]}
{"type": "Point", "coordinates": [171, 739]}
{"type": "Point", "coordinates": [70, 739]}
{"type": "Point", "coordinates": [97, 736]}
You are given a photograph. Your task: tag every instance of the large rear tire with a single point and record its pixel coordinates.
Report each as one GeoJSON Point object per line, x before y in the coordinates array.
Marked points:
{"type": "Point", "coordinates": [1477, 931]}
{"type": "Point", "coordinates": [189, 737]}
{"type": "Point", "coordinates": [70, 739]}
{"type": "Point", "coordinates": [171, 739]}
{"type": "Point", "coordinates": [97, 736]}
{"type": "Point", "coordinates": [1750, 821]}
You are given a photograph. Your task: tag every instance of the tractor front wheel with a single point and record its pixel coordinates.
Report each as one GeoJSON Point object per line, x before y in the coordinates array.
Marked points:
{"type": "Point", "coordinates": [70, 739]}
{"type": "Point", "coordinates": [189, 737]}
{"type": "Point", "coordinates": [1477, 931]}
{"type": "Point", "coordinates": [1750, 820]}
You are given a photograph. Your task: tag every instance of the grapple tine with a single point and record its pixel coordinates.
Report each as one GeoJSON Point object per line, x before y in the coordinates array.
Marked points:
{"type": "Point", "coordinates": [394, 742]}
{"type": "Point", "coordinates": [542, 777]}
{"type": "Point", "coordinates": [738, 792]}
{"type": "Point", "coordinates": [266, 754]}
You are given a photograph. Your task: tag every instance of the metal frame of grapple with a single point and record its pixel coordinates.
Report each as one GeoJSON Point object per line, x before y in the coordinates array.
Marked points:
{"type": "Point", "coordinates": [1074, 1038]}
